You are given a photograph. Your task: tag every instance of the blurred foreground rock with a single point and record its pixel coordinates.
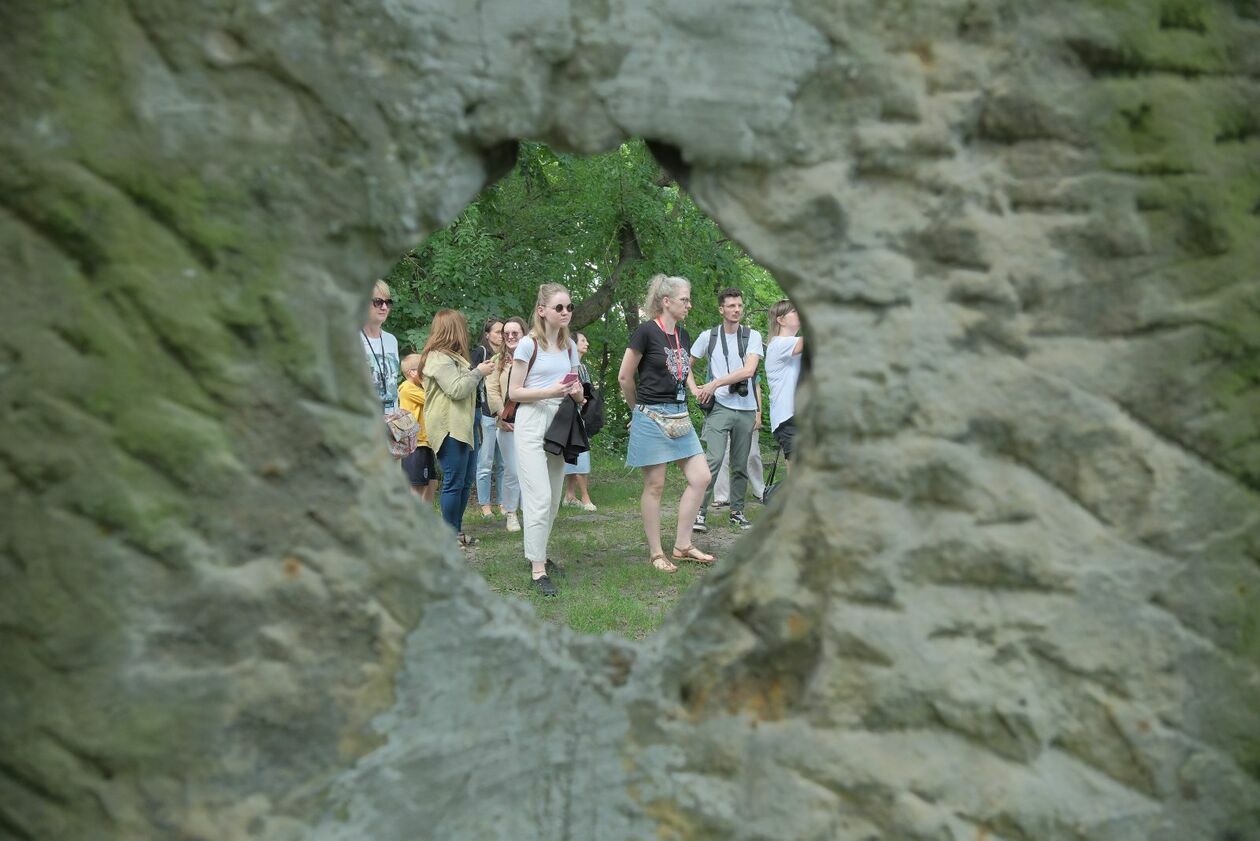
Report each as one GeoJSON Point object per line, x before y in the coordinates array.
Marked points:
{"type": "Point", "coordinates": [1013, 592]}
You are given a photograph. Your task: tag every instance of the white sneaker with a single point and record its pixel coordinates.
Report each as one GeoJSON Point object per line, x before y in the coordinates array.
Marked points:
{"type": "Point", "coordinates": [512, 523]}
{"type": "Point", "coordinates": [589, 506]}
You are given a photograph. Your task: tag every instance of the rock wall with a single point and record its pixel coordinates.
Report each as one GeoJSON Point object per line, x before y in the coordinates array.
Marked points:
{"type": "Point", "coordinates": [1011, 594]}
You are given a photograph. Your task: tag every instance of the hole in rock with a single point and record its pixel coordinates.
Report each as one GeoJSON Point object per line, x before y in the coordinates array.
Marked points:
{"type": "Point", "coordinates": [602, 227]}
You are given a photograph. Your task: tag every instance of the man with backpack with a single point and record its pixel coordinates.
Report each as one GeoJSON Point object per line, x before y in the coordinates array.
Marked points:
{"type": "Point", "coordinates": [732, 414]}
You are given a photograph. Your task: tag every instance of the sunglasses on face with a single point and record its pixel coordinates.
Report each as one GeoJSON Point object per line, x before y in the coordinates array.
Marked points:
{"type": "Point", "coordinates": [512, 335]}
{"type": "Point", "coordinates": [563, 307]}
{"type": "Point", "coordinates": [381, 303]}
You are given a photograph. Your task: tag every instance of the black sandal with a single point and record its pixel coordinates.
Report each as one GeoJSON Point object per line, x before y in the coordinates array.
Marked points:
{"type": "Point", "coordinates": [465, 540]}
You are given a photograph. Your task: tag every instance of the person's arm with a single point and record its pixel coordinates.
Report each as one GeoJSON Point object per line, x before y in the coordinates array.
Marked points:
{"type": "Point", "coordinates": [800, 346]}
{"type": "Point", "coordinates": [575, 389]}
{"type": "Point", "coordinates": [456, 383]}
{"type": "Point", "coordinates": [757, 418]}
{"type": "Point", "coordinates": [744, 372]}
{"type": "Point", "coordinates": [625, 374]}
{"type": "Point", "coordinates": [696, 391]}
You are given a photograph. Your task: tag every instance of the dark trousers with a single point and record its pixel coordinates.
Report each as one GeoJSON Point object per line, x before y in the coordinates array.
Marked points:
{"type": "Point", "coordinates": [459, 466]}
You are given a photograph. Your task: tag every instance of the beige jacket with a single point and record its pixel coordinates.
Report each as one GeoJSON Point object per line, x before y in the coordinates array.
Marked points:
{"type": "Point", "coordinates": [450, 391]}
{"type": "Point", "coordinates": [496, 388]}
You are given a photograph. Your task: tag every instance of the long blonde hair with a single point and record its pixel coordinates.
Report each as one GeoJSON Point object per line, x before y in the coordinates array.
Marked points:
{"type": "Point", "coordinates": [539, 334]}
{"type": "Point", "coordinates": [777, 310]}
{"type": "Point", "coordinates": [447, 334]}
{"type": "Point", "coordinates": [505, 358]}
{"type": "Point", "coordinates": [660, 287]}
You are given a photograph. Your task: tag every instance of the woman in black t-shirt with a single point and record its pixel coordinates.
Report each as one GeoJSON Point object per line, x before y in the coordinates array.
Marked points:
{"type": "Point", "coordinates": [659, 355]}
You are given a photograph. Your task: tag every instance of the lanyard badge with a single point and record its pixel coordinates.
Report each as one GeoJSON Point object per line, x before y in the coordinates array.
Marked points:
{"type": "Point", "coordinates": [680, 371]}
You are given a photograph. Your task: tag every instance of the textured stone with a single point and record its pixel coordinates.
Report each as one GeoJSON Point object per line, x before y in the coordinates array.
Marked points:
{"type": "Point", "coordinates": [1013, 589]}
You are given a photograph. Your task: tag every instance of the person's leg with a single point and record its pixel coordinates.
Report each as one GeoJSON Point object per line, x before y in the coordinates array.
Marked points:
{"type": "Point", "coordinates": [650, 506]}
{"type": "Point", "coordinates": [555, 492]}
{"type": "Point", "coordinates": [756, 470]}
{"type": "Point", "coordinates": [584, 491]}
{"type": "Point", "coordinates": [534, 475]}
{"type": "Point", "coordinates": [714, 436]}
{"type": "Point", "coordinates": [426, 492]}
{"type": "Point", "coordinates": [741, 434]}
{"type": "Point", "coordinates": [570, 489]}
{"type": "Point", "coordinates": [696, 472]}
{"type": "Point", "coordinates": [470, 470]}
{"type": "Point", "coordinates": [497, 474]}
{"type": "Point", "coordinates": [485, 461]}
{"type": "Point", "coordinates": [722, 484]}
{"type": "Point", "coordinates": [785, 434]}
{"type": "Point", "coordinates": [511, 496]}
{"type": "Point", "coordinates": [453, 456]}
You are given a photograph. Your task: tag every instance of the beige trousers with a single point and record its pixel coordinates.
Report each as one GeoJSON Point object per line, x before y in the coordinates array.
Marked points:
{"type": "Point", "coordinates": [541, 475]}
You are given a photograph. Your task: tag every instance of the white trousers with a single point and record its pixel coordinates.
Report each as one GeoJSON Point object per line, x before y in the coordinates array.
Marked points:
{"type": "Point", "coordinates": [541, 475]}
{"type": "Point", "coordinates": [510, 495]}
{"type": "Point", "coordinates": [756, 473]}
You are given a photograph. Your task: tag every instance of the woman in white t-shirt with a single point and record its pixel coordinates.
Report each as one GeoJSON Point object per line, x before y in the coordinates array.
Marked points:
{"type": "Point", "coordinates": [538, 387]}
{"type": "Point", "coordinates": [783, 371]}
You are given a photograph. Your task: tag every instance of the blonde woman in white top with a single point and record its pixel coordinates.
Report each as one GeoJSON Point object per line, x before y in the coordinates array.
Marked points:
{"type": "Point", "coordinates": [538, 388]}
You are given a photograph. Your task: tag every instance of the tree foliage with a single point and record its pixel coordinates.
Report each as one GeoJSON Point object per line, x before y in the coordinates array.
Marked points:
{"type": "Point", "coordinates": [599, 225]}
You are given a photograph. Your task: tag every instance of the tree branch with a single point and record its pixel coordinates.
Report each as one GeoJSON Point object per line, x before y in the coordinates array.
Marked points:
{"type": "Point", "coordinates": [602, 298]}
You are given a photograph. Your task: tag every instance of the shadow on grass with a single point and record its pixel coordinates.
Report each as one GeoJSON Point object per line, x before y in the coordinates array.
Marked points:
{"type": "Point", "coordinates": [608, 584]}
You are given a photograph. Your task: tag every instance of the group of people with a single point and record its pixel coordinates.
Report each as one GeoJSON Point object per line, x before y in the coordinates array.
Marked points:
{"type": "Point", "coordinates": [656, 377]}
{"type": "Point", "coordinates": [485, 413]}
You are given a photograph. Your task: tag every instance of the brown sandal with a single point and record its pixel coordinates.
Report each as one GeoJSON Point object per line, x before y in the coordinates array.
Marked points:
{"type": "Point", "coordinates": [659, 561]}
{"type": "Point", "coordinates": [691, 553]}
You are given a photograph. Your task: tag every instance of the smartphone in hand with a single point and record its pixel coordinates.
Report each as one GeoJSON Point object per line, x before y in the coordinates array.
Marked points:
{"type": "Point", "coordinates": [569, 379]}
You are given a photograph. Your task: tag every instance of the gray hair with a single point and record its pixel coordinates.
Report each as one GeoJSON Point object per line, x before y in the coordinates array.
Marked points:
{"type": "Point", "coordinates": [660, 287]}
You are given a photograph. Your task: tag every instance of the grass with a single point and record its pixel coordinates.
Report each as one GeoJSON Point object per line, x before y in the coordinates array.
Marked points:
{"type": "Point", "coordinates": [608, 584]}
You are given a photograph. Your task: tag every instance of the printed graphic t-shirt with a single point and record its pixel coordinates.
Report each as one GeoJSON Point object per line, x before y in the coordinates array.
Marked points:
{"type": "Point", "coordinates": [664, 365]}
{"type": "Point", "coordinates": [783, 369]}
{"type": "Point", "coordinates": [382, 358]}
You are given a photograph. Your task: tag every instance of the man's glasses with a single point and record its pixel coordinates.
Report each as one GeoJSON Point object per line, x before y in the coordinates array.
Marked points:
{"type": "Point", "coordinates": [382, 303]}
{"type": "Point", "coordinates": [512, 335]}
{"type": "Point", "coordinates": [563, 307]}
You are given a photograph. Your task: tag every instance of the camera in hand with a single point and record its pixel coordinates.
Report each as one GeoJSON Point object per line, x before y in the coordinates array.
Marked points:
{"type": "Point", "coordinates": [740, 388]}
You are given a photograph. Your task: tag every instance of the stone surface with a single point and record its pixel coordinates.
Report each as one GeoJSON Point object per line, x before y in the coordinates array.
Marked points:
{"type": "Point", "coordinates": [1011, 594]}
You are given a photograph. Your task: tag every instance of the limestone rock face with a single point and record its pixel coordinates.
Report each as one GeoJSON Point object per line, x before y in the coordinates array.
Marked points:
{"type": "Point", "coordinates": [1012, 593]}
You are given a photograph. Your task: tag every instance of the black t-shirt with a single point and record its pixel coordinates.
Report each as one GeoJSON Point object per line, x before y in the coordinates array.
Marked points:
{"type": "Point", "coordinates": [664, 361]}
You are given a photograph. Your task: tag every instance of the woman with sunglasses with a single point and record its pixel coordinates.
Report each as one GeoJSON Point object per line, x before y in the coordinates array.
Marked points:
{"type": "Point", "coordinates": [658, 356]}
{"type": "Point", "coordinates": [381, 348]}
{"type": "Point", "coordinates": [496, 393]}
{"type": "Point", "coordinates": [450, 402]}
{"type": "Point", "coordinates": [544, 372]}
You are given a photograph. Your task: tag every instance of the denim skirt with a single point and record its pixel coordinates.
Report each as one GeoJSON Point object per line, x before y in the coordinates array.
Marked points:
{"type": "Point", "coordinates": [649, 445]}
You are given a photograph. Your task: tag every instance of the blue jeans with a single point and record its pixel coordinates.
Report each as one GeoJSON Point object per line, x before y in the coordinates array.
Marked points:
{"type": "Point", "coordinates": [458, 462]}
{"type": "Point", "coordinates": [489, 459]}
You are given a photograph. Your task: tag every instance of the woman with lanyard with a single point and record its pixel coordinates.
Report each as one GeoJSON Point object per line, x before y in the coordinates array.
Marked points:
{"type": "Point", "coordinates": [381, 348]}
{"type": "Point", "coordinates": [658, 355]}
